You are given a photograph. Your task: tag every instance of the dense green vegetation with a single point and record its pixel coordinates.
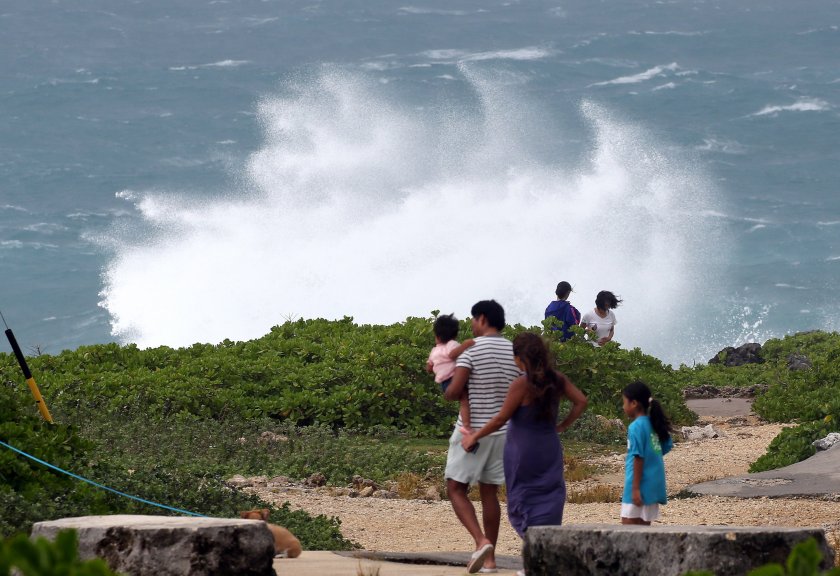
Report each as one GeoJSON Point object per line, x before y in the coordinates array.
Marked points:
{"type": "Point", "coordinates": [333, 397]}
{"type": "Point", "coordinates": [810, 397]}
{"type": "Point", "coordinates": [31, 492]}
{"type": "Point", "coordinates": [42, 557]}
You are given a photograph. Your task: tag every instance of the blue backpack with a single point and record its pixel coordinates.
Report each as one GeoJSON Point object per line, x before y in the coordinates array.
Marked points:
{"type": "Point", "coordinates": [565, 313]}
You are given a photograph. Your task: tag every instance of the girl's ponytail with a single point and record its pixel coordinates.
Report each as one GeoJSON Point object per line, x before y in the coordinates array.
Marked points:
{"type": "Point", "coordinates": [640, 392]}
{"type": "Point", "coordinates": [659, 421]}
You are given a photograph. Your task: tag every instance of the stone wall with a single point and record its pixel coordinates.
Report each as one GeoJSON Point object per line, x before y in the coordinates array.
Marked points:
{"type": "Point", "coordinates": [662, 550]}
{"type": "Point", "coordinates": [171, 546]}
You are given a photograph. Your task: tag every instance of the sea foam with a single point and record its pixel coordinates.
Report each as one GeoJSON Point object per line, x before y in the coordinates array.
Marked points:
{"type": "Point", "coordinates": [801, 105]}
{"type": "Point", "coordinates": [359, 204]}
{"type": "Point", "coordinates": [642, 76]}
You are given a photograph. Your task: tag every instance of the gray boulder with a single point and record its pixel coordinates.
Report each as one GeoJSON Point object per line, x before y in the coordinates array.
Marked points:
{"type": "Point", "coordinates": [667, 550]}
{"type": "Point", "coordinates": [796, 362]}
{"type": "Point", "coordinates": [827, 442]}
{"type": "Point", "coordinates": [171, 546]}
{"type": "Point", "coordinates": [699, 432]}
{"type": "Point", "coordinates": [749, 353]}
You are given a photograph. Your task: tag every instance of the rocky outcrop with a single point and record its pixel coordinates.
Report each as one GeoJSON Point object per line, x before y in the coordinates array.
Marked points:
{"type": "Point", "coordinates": [699, 432]}
{"type": "Point", "coordinates": [749, 353]}
{"type": "Point", "coordinates": [171, 546]}
{"type": "Point", "coordinates": [796, 362]}
{"type": "Point", "coordinates": [668, 550]}
{"type": "Point", "coordinates": [827, 442]}
{"type": "Point", "coordinates": [708, 391]}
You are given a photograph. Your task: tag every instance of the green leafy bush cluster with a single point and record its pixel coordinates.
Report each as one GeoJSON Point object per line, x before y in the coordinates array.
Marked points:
{"type": "Point", "coordinates": [804, 560]}
{"type": "Point", "coordinates": [304, 372]}
{"type": "Point", "coordinates": [169, 425]}
{"type": "Point", "coordinates": [31, 492]}
{"type": "Point", "coordinates": [42, 557]}
{"type": "Point", "coordinates": [255, 447]}
{"type": "Point", "coordinates": [314, 396]}
{"type": "Point", "coordinates": [334, 373]}
{"type": "Point", "coordinates": [809, 397]}
{"type": "Point", "coordinates": [602, 374]}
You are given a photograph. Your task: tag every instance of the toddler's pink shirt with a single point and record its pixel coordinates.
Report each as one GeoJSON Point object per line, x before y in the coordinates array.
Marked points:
{"type": "Point", "coordinates": [442, 365]}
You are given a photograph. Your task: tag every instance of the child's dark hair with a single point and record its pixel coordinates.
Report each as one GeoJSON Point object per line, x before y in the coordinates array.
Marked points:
{"type": "Point", "coordinates": [606, 300]}
{"type": "Point", "coordinates": [547, 383]}
{"type": "Point", "coordinates": [563, 290]}
{"type": "Point", "coordinates": [446, 327]}
{"type": "Point", "coordinates": [491, 310]}
{"type": "Point", "coordinates": [640, 392]}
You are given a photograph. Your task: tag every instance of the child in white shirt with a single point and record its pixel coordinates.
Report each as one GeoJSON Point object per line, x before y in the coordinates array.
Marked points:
{"type": "Point", "coordinates": [601, 321]}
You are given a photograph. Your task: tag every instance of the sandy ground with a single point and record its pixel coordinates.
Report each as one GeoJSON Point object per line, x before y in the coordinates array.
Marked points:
{"type": "Point", "coordinates": [421, 526]}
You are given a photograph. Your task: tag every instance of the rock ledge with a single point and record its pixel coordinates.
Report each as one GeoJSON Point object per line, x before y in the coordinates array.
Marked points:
{"type": "Point", "coordinates": [619, 550]}
{"type": "Point", "coordinates": [171, 546]}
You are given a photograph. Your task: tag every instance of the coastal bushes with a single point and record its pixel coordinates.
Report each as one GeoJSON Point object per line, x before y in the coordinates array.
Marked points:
{"type": "Point", "coordinates": [42, 557]}
{"type": "Point", "coordinates": [332, 373]}
{"type": "Point", "coordinates": [800, 379]}
{"type": "Point", "coordinates": [332, 397]}
{"type": "Point", "coordinates": [31, 492]}
{"type": "Point", "coordinates": [169, 425]}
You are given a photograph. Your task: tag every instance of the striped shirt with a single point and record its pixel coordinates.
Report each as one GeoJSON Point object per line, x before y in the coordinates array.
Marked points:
{"type": "Point", "coordinates": [492, 369]}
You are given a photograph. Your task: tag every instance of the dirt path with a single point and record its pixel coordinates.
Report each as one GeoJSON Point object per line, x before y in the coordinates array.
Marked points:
{"type": "Point", "coordinates": [420, 526]}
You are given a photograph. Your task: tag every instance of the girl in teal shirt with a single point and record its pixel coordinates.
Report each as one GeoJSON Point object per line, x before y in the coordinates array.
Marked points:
{"type": "Point", "coordinates": [648, 439]}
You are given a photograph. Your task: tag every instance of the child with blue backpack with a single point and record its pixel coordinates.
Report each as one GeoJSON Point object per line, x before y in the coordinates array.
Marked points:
{"type": "Point", "coordinates": [563, 310]}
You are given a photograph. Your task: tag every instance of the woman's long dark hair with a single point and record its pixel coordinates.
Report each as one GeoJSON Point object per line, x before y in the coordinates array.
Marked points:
{"type": "Point", "coordinates": [640, 392]}
{"type": "Point", "coordinates": [547, 384]}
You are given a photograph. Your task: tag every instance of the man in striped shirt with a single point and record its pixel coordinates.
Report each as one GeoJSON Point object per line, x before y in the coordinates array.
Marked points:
{"type": "Point", "coordinates": [487, 369]}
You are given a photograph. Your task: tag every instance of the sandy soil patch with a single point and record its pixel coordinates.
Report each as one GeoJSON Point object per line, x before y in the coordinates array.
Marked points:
{"type": "Point", "coordinates": [420, 526]}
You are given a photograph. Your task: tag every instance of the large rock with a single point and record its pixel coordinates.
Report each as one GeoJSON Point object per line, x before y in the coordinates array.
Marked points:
{"type": "Point", "coordinates": [827, 442]}
{"type": "Point", "coordinates": [699, 432]}
{"type": "Point", "coordinates": [749, 353]}
{"type": "Point", "coordinates": [619, 550]}
{"type": "Point", "coordinates": [171, 546]}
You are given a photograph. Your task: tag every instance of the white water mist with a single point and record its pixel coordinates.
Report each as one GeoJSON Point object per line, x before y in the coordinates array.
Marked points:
{"type": "Point", "coordinates": [357, 204]}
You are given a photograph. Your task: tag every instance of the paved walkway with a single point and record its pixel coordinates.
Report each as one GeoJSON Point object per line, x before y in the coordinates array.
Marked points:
{"type": "Point", "coordinates": [720, 407]}
{"type": "Point", "coordinates": [364, 563]}
{"type": "Point", "coordinates": [817, 476]}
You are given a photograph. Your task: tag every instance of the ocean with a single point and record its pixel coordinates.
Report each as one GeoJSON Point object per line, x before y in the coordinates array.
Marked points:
{"type": "Point", "coordinates": [189, 171]}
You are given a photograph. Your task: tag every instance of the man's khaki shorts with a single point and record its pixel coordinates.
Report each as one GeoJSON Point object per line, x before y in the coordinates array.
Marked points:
{"type": "Point", "coordinates": [485, 465]}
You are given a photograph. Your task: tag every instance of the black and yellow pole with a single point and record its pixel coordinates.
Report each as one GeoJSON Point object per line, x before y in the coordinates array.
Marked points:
{"type": "Point", "coordinates": [33, 387]}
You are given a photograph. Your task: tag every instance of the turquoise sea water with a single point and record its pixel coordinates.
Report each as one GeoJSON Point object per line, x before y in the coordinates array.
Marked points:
{"type": "Point", "coordinates": [174, 172]}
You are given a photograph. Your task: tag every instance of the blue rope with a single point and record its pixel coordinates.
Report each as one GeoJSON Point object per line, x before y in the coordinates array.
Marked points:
{"type": "Point", "coordinates": [76, 476]}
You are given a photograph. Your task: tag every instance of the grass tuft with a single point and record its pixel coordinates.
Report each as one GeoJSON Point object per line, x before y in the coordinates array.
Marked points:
{"type": "Point", "coordinates": [577, 470]}
{"type": "Point", "coordinates": [409, 485]}
{"type": "Point", "coordinates": [602, 493]}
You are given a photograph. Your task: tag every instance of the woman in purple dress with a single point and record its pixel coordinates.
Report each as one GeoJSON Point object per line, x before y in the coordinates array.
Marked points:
{"type": "Point", "coordinates": [536, 489]}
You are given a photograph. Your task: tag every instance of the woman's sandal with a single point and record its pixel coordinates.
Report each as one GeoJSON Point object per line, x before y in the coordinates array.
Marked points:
{"type": "Point", "coordinates": [478, 557]}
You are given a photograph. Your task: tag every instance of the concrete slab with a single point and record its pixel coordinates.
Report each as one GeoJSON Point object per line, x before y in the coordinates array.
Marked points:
{"type": "Point", "coordinates": [819, 475]}
{"type": "Point", "coordinates": [720, 407]}
{"type": "Point", "coordinates": [457, 559]}
{"type": "Point", "coordinates": [354, 564]}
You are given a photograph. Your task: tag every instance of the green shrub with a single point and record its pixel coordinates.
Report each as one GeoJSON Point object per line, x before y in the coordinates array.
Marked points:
{"type": "Point", "coordinates": [332, 373]}
{"type": "Point", "coordinates": [170, 424]}
{"type": "Point", "coordinates": [31, 492]}
{"type": "Point", "coordinates": [43, 557]}
{"type": "Point", "coordinates": [792, 445]}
